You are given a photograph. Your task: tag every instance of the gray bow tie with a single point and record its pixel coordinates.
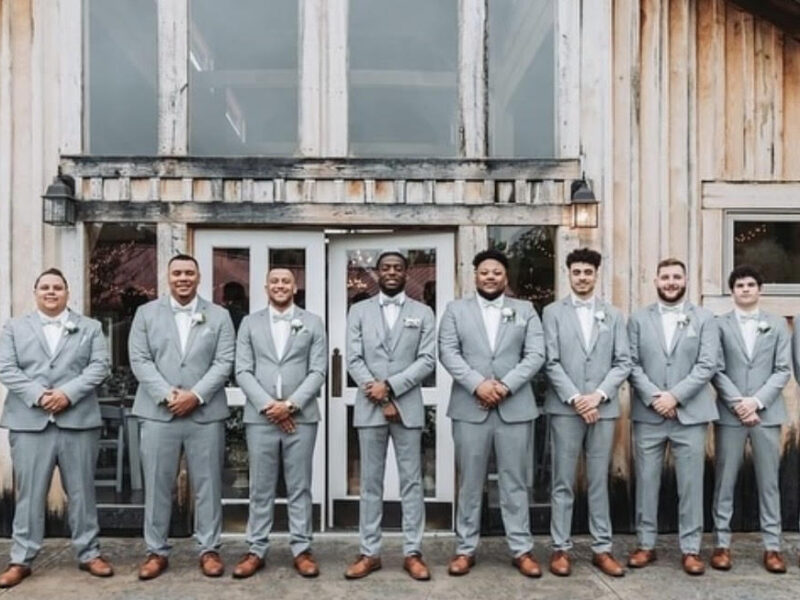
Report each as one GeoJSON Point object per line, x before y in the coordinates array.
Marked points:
{"type": "Point", "coordinates": [670, 309]}
{"type": "Point", "coordinates": [744, 318]}
{"type": "Point", "coordinates": [496, 303]}
{"type": "Point", "coordinates": [182, 309]}
{"type": "Point", "coordinates": [582, 303]}
{"type": "Point", "coordinates": [46, 322]}
{"type": "Point", "coordinates": [391, 300]}
{"type": "Point", "coordinates": [276, 318]}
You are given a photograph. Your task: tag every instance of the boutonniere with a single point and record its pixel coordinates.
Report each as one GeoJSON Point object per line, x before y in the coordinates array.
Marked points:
{"type": "Point", "coordinates": [508, 314]}
{"type": "Point", "coordinates": [296, 325]}
{"type": "Point", "coordinates": [683, 320]}
{"type": "Point", "coordinates": [70, 326]}
{"type": "Point", "coordinates": [411, 322]}
{"type": "Point", "coordinates": [198, 318]}
{"type": "Point", "coordinates": [600, 316]}
{"type": "Point", "coordinates": [764, 327]}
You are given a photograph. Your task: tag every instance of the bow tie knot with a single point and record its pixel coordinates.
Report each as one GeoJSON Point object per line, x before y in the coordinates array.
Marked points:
{"type": "Point", "coordinates": [284, 317]}
{"type": "Point", "coordinates": [582, 303]}
{"type": "Point", "coordinates": [391, 300]}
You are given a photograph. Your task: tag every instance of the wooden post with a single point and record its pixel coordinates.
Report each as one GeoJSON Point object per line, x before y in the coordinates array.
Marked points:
{"type": "Point", "coordinates": [173, 77]}
{"type": "Point", "coordinates": [472, 77]}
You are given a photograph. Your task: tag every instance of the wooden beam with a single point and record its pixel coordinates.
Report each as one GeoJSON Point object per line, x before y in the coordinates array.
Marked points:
{"type": "Point", "coordinates": [319, 168]}
{"type": "Point", "coordinates": [350, 215]}
{"type": "Point", "coordinates": [751, 195]}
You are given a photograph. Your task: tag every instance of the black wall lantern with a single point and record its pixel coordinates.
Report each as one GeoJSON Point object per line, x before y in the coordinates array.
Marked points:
{"type": "Point", "coordinates": [59, 207]}
{"type": "Point", "coordinates": [584, 204]}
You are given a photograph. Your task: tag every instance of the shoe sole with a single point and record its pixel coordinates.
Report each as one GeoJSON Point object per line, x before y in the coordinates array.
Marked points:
{"type": "Point", "coordinates": [378, 568]}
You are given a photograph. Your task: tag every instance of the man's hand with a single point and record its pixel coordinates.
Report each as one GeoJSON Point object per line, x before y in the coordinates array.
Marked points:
{"type": "Point", "coordinates": [587, 402]}
{"type": "Point", "coordinates": [590, 416]}
{"type": "Point", "coordinates": [287, 425]}
{"type": "Point", "coordinates": [391, 413]}
{"type": "Point", "coordinates": [182, 402]}
{"type": "Point", "coordinates": [488, 394]}
{"type": "Point", "coordinates": [665, 404]}
{"type": "Point", "coordinates": [745, 407]}
{"type": "Point", "coordinates": [376, 391]}
{"type": "Point", "coordinates": [54, 401]}
{"type": "Point", "coordinates": [751, 420]}
{"type": "Point", "coordinates": [277, 411]}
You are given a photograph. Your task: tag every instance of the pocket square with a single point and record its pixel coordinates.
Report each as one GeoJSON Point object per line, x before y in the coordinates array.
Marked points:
{"type": "Point", "coordinates": [412, 322]}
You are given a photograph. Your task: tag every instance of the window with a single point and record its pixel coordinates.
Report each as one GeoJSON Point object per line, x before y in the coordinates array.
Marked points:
{"type": "Point", "coordinates": [121, 87]}
{"type": "Point", "coordinates": [243, 77]}
{"type": "Point", "coordinates": [769, 242]}
{"type": "Point", "coordinates": [403, 78]}
{"type": "Point", "coordinates": [522, 68]}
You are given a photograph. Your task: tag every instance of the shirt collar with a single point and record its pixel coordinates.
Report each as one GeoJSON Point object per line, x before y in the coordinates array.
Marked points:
{"type": "Point", "coordinates": [592, 301]}
{"type": "Point", "coordinates": [745, 313]}
{"type": "Point", "coordinates": [175, 305]}
{"type": "Point", "coordinates": [274, 311]}
{"type": "Point", "coordinates": [681, 306]}
{"type": "Point", "coordinates": [400, 296]}
{"type": "Point", "coordinates": [483, 302]}
{"type": "Point", "coordinates": [61, 317]}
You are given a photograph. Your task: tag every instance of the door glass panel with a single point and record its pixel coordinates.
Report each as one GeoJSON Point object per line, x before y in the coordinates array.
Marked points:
{"type": "Point", "coordinates": [293, 259]}
{"type": "Point", "coordinates": [231, 279]}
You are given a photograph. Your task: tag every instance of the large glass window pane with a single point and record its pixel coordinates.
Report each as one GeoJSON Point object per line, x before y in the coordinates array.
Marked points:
{"type": "Point", "coordinates": [121, 85]}
{"type": "Point", "coordinates": [403, 77]}
{"type": "Point", "coordinates": [243, 77]}
{"type": "Point", "coordinates": [522, 78]}
{"type": "Point", "coordinates": [231, 281]}
{"type": "Point", "coordinates": [772, 247]}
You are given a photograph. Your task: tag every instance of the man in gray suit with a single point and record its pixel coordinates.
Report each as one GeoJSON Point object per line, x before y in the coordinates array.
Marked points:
{"type": "Point", "coordinates": [588, 358]}
{"type": "Point", "coordinates": [674, 348]}
{"type": "Point", "coordinates": [755, 366]}
{"type": "Point", "coordinates": [492, 346]}
{"type": "Point", "coordinates": [51, 362]}
{"type": "Point", "coordinates": [391, 348]}
{"type": "Point", "coordinates": [281, 361]}
{"type": "Point", "coordinates": [181, 350]}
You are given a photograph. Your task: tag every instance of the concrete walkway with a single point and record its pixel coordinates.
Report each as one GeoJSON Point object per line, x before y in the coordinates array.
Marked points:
{"type": "Point", "coordinates": [56, 576]}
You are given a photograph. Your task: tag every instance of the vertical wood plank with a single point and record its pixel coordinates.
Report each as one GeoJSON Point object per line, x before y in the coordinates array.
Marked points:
{"type": "Point", "coordinates": [568, 60]}
{"type": "Point", "coordinates": [472, 77]}
{"type": "Point", "coordinates": [679, 131]}
{"type": "Point", "coordinates": [735, 92]}
{"type": "Point", "coordinates": [470, 239]}
{"type": "Point", "coordinates": [70, 57]}
{"type": "Point", "coordinates": [171, 239]}
{"type": "Point", "coordinates": [173, 77]}
{"type": "Point", "coordinates": [711, 266]}
{"type": "Point", "coordinates": [791, 108]}
{"type": "Point", "coordinates": [749, 83]}
{"type": "Point", "coordinates": [764, 116]}
{"type": "Point", "coordinates": [6, 167]}
{"type": "Point", "coordinates": [310, 88]}
{"type": "Point", "coordinates": [710, 42]}
{"type": "Point", "coordinates": [777, 99]}
{"type": "Point", "coordinates": [335, 104]}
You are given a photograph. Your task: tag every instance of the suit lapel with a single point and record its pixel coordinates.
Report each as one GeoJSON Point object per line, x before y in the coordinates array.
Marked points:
{"type": "Point", "coordinates": [36, 324]}
{"type": "Point", "coordinates": [299, 313]}
{"type": "Point", "coordinates": [201, 307]}
{"type": "Point", "coordinates": [598, 306]}
{"type": "Point", "coordinates": [505, 323]}
{"type": "Point", "coordinates": [760, 339]}
{"type": "Point", "coordinates": [169, 318]}
{"type": "Point", "coordinates": [397, 330]}
{"type": "Point", "coordinates": [655, 321]}
{"type": "Point", "coordinates": [733, 325]}
{"type": "Point", "coordinates": [65, 335]}
{"type": "Point", "coordinates": [380, 323]}
{"type": "Point", "coordinates": [477, 317]}
{"type": "Point", "coordinates": [573, 322]}
{"type": "Point", "coordinates": [264, 328]}
{"type": "Point", "coordinates": [680, 330]}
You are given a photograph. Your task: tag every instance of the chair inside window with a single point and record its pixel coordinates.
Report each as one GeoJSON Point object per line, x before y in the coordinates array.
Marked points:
{"type": "Point", "coordinates": [114, 440]}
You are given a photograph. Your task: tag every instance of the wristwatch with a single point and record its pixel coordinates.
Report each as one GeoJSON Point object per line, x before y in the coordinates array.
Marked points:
{"type": "Point", "coordinates": [293, 408]}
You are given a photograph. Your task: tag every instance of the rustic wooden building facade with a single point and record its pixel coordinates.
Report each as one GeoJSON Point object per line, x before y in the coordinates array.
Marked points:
{"type": "Point", "coordinates": [680, 114]}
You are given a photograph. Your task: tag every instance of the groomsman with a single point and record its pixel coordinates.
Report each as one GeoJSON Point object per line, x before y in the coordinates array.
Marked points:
{"type": "Point", "coordinates": [181, 350]}
{"type": "Point", "coordinates": [51, 362]}
{"type": "Point", "coordinates": [588, 358]}
{"type": "Point", "coordinates": [281, 361]}
{"type": "Point", "coordinates": [492, 346]}
{"type": "Point", "coordinates": [674, 348]}
{"type": "Point", "coordinates": [391, 348]}
{"type": "Point", "coordinates": [755, 366]}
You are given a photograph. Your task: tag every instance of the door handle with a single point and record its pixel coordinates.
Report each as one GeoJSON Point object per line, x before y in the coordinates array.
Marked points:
{"type": "Point", "coordinates": [336, 374]}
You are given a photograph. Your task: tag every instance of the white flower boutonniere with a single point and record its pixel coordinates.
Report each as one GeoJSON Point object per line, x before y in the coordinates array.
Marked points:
{"type": "Point", "coordinates": [70, 326]}
{"type": "Point", "coordinates": [296, 325]}
{"type": "Point", "coordinates": [198, 318]}
{"type": "Point", "coordinates": [764, 327]}
{"type": "Point", "coordinates": [600, 316]}
{"type": "Point", "coordinates": [412, 322]}
{"type": "Point", "coordinates": [683, 320]}
{"type": "Point", "coordinates": [508, 314]}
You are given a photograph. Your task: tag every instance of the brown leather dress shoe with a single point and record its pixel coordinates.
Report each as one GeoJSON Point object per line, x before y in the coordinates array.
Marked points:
{"type": "Point", "coordinates": [153, 566]}
{"type": "Point", "coordinates": [693, 564]}
{"type": "Point", "coordinates": [460, 564]}
{"type": "Point", "coordinates": [363, 566]}
{"type": "Point", "coordinates": [560, 563]}
{"type": "Point", "coordinates": [641, 557]}
{"type": "Point", "coordinates": [13, 575]}
{"type": "Point", "coordinates": [211, 564]}
{"type": "Point", "coordinates": [773, 562]}
{"type": "Point", "coordinates": [248, 565]}
{"type": "Point", "coordinates": [721, 559]}
{"type": "Point", "coordinates": [608, 564]}
{"type": "Point", "coordinates": [98, 566]}
{"type": "Point", "coordinates": [527, 565]}
{"type": "Point", "coordinates": [416, 567]}
{"type": "Point", "coordinates": [306, 564]}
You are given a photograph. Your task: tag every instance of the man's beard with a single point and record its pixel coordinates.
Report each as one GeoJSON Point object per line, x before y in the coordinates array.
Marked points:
{"type": "Point", "coordinates": [490, 296]}
{"type": "Point", "coordinates": [675, 300]}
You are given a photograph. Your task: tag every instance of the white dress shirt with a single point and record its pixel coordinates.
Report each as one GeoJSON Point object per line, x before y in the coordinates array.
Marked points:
{"type": "Point", "coordinates": [491, 312]}
{"type": "Point", "coordinates": [670, 315]}
{"type": "Point", "coordinates": [53, 328]}
{"type": "Point", "coordinates": [585, 311]}
{"type": "Point", "coordinates": [390, 307]}
{"type": "Point", "coordinates": [280, 323]}
{"type": "Point", "coordinates": [183, 319]}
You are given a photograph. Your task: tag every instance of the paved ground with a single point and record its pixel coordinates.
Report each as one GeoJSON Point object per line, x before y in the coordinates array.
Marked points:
{"type": "Point", "coordinates": [57, 578]}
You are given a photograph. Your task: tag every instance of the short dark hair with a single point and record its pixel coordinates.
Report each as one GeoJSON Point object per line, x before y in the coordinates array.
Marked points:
{"type": "Point", "coordinates": [585, 255]}
{"type": "Point", "coordinates": [490, 254]}
{"type": "Point", "coordinates": [387, 253]}
{"type": "Point", "coordinates": [183, 257]}
{"type": "Point", "coordinates": [742, 272]}
{"type": "Point", "coordinates": [670, 262]}
{"type": "Point", "coordinates": [51, 271]}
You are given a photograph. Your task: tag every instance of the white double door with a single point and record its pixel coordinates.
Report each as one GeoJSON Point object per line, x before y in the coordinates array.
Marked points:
{"type": "Point", "coordinates": [333, 271]}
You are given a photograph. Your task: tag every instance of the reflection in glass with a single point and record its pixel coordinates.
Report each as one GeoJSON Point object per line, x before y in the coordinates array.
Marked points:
{"type": "Point", "coordinates": [772, 247]}
{"type": "Point", "coordinates": [522, 118]}
{"type": "Point", "coordinates": [403, 77]}
{"type": "Point", "coordinates": [293, 259]}
{"type": "Point", "coordinates": [231, 281]}
{"type": "Point", "coordinates": [428, 454]}
{"type": "Point", "coordinates": [122, 77]}
{"type": "Point", "coordinates": [243, 64]}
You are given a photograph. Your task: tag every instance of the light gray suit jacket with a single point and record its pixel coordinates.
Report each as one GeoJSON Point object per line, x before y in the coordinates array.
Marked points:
{"type": "Point", "coordinates": [155, 352]}
{"type": "Point", "coordinates": [403, 357]}
{"type": "Point", "coordinates": [302, 368]}
{"type": "Point", "coordinates": [685, 371]}
{"type": "Point", "coordinates": [763, 376]}
{"type": "Point", "coordinates": [465, 353]}
{"type": "Point", "coordinates": [796, 347]}
{"type": "Point", "coordinates": [573, 369]}
{"type": "Point", "coordinates": [78, 365]}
